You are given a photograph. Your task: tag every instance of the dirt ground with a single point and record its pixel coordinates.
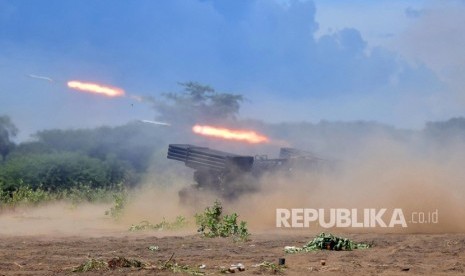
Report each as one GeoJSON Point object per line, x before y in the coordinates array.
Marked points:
{"type": "Point", "coordinates": [392, 254]}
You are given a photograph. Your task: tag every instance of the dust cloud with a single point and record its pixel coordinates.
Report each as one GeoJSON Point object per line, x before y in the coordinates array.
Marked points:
{"type": "Point", "coordinates": [59, 219]}
{"type": "Point", "coordinates": [384, 174]}
{"type": "Point", "coordinates": [414, 175]}
{"type": "Point", "coordinates": [381, 171]}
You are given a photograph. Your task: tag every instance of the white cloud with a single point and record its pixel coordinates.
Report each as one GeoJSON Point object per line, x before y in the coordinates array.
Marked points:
{"type": "Point", "coordinates": [437, 39]}
{"type": "Point", "coordinates": [262, 49]}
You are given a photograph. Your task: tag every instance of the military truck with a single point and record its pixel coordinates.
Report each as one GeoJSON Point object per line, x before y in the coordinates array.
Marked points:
{"type": "Point", "coordinates": [230, 175]}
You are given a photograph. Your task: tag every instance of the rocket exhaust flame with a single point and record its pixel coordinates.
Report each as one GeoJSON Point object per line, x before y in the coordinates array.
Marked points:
{"type": "Point", "coordinates": [229, 134]}
{"type": "Point", "coordinates": [96, 88]}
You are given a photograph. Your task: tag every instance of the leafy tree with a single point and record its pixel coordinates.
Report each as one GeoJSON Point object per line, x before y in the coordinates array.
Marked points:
{"type": "Point", "coordinates": [198, 102]}
{"type": "Point", "coordinates": [7, 131]}
{"type": "Point", "coordinates": [133, 143]}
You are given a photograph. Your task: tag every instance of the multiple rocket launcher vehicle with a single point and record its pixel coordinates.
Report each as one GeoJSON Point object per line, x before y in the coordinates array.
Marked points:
{"type": "Point", "coordinates": [230, 175]}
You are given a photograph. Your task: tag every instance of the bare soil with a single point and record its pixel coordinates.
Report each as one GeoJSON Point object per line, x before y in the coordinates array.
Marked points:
{"type": "Point", "coordinates": [391, 254]}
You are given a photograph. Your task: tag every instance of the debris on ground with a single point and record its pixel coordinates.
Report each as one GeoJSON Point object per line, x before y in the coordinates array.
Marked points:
{"type": "Point", "coordinates": [327, 242]}
{"type": "Point", "coordinates": [123, 262]}
{"type": "Point", "coordinates": [312, 269]}
{"type": "Point", "coordinates": [233, 268]}
{"type": "Point", "coordinates": [153, 248]}
{"type": "Point", "coordinates": [236, 267]}
{"type": "Point", "coordinates": [117, 262]}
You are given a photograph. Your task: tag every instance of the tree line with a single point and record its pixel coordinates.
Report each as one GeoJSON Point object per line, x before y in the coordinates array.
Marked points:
{"type": "Point", "coordinates": [104, 157]}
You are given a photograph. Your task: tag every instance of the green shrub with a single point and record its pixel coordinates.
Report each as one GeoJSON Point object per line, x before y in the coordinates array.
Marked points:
{"type": "Point", "coordinates": [179, 223]}
{"type": "Point", "coordinates": [91, 265]}
{"type": "Point", "coordinates": [120, 202]}
{"type": "Point", "coordinates": [25, 195]}
{"type": "Point", "coordinates": [213, 224]}
{"type": "Point", "coordinates": [327, 241]}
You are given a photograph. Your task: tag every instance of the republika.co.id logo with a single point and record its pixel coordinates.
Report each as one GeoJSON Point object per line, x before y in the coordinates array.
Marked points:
{"type": "Point", "coordinates": [341, 217]}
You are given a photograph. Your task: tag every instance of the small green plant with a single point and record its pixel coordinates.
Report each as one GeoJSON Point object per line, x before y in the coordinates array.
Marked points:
{"type": "Point", "coordinates": [327, 242]}
{"type": "Point", "coordinates": [120, 202]}
{"type": "Point", "coordinates": [174, 267]}
{"type": "Point", "coordinates": [85, 193]}
{"type": "Point", "coordinates": [25, 195]}
{"type": "Point", "coordinates": [118, 262]}
{"type": "Point", "coordinates": [179, 223]}
{"type": "Point", "coordinates": [271, 267]}
{"type": "Point", "coordinates": [213, 224]}
{"type": "Point", "coordinates": [92, 265]}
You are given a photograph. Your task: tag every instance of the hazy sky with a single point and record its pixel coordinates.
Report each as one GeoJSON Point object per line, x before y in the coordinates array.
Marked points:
{"type": "Point", "coordinates": [395, 61]}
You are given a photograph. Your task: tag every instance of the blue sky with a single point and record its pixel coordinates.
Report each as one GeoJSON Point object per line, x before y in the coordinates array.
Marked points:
{"type": "Point", "coordinates": [396, 62]}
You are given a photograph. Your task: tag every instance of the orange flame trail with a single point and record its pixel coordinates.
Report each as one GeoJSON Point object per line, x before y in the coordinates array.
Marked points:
{"type": "Point", "coordinates": [96, 88]}
{"type": "Point", "coordinates": [229, 134]}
